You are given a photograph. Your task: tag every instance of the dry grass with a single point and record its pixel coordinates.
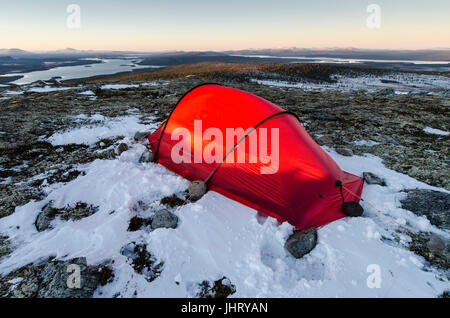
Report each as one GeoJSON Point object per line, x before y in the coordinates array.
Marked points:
{"type": "Point", "coordinates": [238, 72]}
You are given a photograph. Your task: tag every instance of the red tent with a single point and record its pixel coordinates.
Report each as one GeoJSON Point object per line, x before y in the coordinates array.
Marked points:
{"type": "Point", "coordinates": [302, 188]}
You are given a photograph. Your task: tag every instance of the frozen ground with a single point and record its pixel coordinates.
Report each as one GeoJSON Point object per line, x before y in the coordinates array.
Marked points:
{"type": "Point", "coordinates": [218, 237]}
{"type": "Point", "coordinates": [401, 83]}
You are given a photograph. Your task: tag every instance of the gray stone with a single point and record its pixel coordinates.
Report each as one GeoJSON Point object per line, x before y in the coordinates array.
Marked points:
{"type": "Point", "coordinates": [439, 246]}
{"type": "Point", "coordinates": [372, 178]}
{"type": "Point", "coordinates": [120, 148]}
{"type": "Point", "coordinates": [147, 156]}
{"type": "Point", "coordinates": [165, 219]}
{"type": "Point", "coordinates": [77, 212]}
{"type": "Point", "coordinates": [344, 152]}
{"type": "Point", "coordinates": [56, 275]}
{"type": "Point", "coordinates": [435, 205]}
{"type": "Point", "coordinates": [141, 135]}
{"type": "Point", "coordinates": [301, 242]}
{"type": "Point", "coordinates": [4, 246]}
{"type": "Point", "coordinates": [44, 218]}
{"type": "Point", "coordinates": [196, 190]}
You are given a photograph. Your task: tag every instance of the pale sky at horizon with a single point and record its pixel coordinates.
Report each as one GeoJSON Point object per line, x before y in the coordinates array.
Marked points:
{"type": "Point", "coordinates": [223, 25]}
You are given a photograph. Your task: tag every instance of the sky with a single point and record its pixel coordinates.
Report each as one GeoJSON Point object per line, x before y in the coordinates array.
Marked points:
{"type": "Point", "coordinates": [147, 25]}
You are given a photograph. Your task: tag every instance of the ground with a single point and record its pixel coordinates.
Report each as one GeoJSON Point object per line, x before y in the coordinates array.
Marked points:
{"type": "Point", "coordinates": [58, 146]}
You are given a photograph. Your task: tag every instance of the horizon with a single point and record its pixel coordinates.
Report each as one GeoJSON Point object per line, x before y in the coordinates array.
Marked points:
{"type": "Point", "coordinates": [150, 26]}
{"type": "Point", "coordinates": [330, 49]}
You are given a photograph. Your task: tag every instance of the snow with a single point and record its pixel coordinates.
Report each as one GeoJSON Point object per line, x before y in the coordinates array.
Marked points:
{"type": "Point", "coordinates": [119, 86]}
{"type": "Point", "coordinates": [219, 237]}
{"type": "Point", "coordinates": [368, 143]}
{"type": "Point", "coordinates": [435, 131]}
{"type": "Point", "coordinates": [402, 83]}
{"type": "Point", "coordinates": [47, 89]}
{"type": "Point", "coordinates": [87, 93]}
{"type": "Point", "coordinates": [13, 92]}
{"type": "Point", "coordinates": [101, 127]}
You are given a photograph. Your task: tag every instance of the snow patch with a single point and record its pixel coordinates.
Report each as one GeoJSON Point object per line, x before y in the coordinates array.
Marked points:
{"type": "Point", "coordinates": [435, 131]}
{"type": "Point", "coordinates": [103, 127]}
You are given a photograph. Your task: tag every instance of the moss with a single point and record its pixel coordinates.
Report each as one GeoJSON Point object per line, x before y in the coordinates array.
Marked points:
{"type": "Point", "coordinates": [172, 201]}
{"type": "Point", "coordinates": [106, 275]}
{"type": "Point", "coordinates": [136, 223]}
{"type": "Point", "coordinates": [219, 289]}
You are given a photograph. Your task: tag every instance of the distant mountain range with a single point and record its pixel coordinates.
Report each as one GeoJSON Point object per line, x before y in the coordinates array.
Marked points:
{"type": "Point", "coordinates": [348, 53]}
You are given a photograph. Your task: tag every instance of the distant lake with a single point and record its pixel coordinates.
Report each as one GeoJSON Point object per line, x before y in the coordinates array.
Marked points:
{"type": "Point", "coordinates": [309, 59]}
{"type": "Point", "coordinates": [107, 66]}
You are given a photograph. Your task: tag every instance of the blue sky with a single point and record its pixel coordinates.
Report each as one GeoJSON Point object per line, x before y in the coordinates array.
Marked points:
{"type": "Point", "coordinates": [221, 25]}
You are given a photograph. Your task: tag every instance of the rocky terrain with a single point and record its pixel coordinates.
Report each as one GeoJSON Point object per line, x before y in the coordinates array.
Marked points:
{"type": "Point", "coordinates": [389, 126]}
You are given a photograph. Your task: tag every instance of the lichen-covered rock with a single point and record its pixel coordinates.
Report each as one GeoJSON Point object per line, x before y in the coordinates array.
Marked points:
{"type": "Point", "coordinates": [55, 279]}
{"type": "Point", "coordinates": [49, 213]}
{"type": "Point", "coordinates": [435, 205]}
{"type": "Point", "coordinates": [4, 246]}
{"type": "Point", "coordinates": [141, 135]}
{"type": "Point", "coordinates": [147, 156]}
{"type": "Point", "coordinates": [196, 190]}
{"type": "Point", "coordinates": [372, 178]}
{"type": "Point", "coordinates": [122, 147]}
{"type": "Point", "coordinates": [164, 219]}
{"type": "Point", "coordinates": [344, 152]}
{"type": "Point", "coordinates": [301, 242]}
{"type": "Point", "coordinates": [431, 246]}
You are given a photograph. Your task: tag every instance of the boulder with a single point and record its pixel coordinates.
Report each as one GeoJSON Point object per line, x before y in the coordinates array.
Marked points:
{"type": "Point", "coordinates": [344, 152]}
{"type": "Point", "coordinates": [165, 219]}
{"type": "Point", "coordinates": [196, 190]}
{"type": "Point", "coordinates": [120, 148]}
{"type": "Point", "coordinates": [147, 156]}
{"type": "Point", "coordinates": [372, 178]}
{"type": "Point", "coordinates": [55, 276]}
{"type": "Point", "coordinates": [141, 135]}
{"type": "Point", "coordinates": [435, 205]}
{"type": "Point", "coordinates": [301, 242]}
{"type": "Point", "coordinates": [439, 247]}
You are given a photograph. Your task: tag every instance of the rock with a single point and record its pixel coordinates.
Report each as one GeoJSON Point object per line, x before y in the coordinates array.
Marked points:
{"type": "Point", "coordinates": [433, 247]}
{"type": "Point", "coordinates": [435, 205]}
{"type": "Point", "coordinates": [142, 261]}
{"type": "Point", "coordinates": [439, 247]}
{"type": "Point", "coordinates": [45, 217]}
{"type": "Point", "coordinates": [49, 213]}
{"type": "Point", "coordinates": [120, 148]}
{"type": "Point", "coordinates": [372, 178]}
{"type": "Point", "coordinates": [344, 152]}
{"type": "Point", "coordinates": [196, 190]}
{"type": "Point", "coordinates": [352, 208]}
{"type": "Point", "coordinates": [56, 275]}
{"type": "Point", "coordinates": [165, 219]}
{"type": "Point", "coordinates": [323, 116]}
{"type": "Point", "coordinates": [147, 156]}
{"type": "Point", "coordinates": [301, 242]}
{"type": "Point", "coordinates": [141, 135]}
{"type": "Point", "coordinates": [55, 279]}
{"type": "Point", "coordinates": [4, 246]}
{"type": "Point", "coordinates": [221, 288]}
